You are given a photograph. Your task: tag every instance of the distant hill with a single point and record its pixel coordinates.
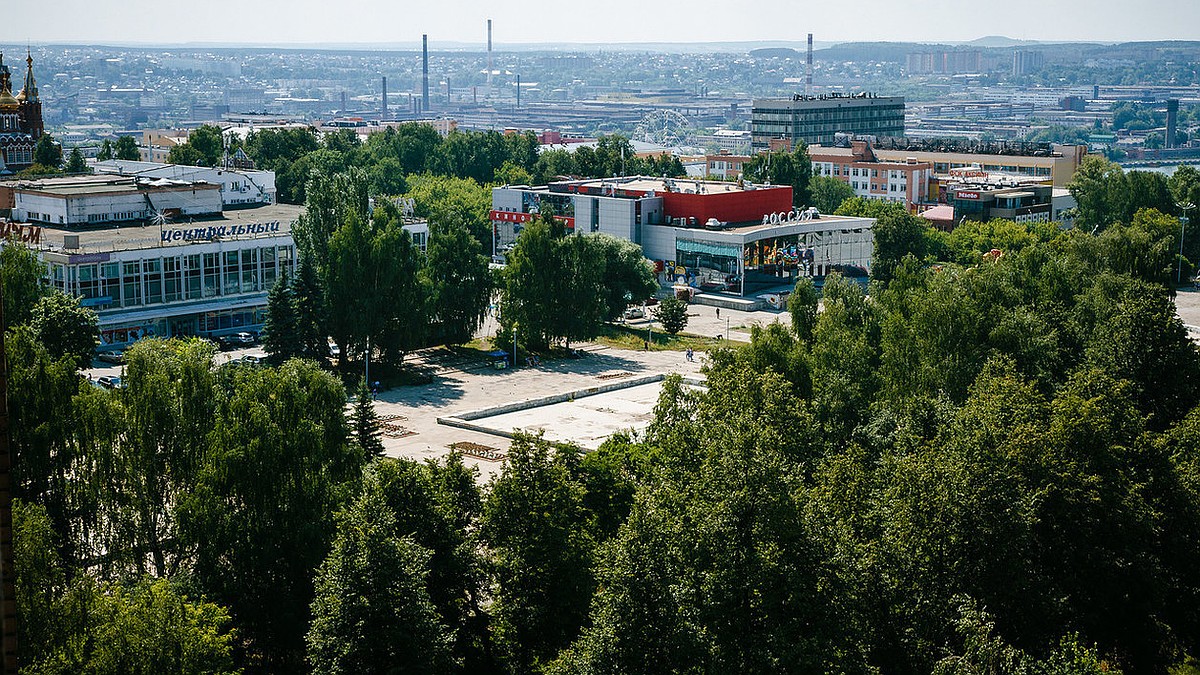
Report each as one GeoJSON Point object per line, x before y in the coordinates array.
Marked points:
{"type": "Point", "coordinates": [775, 53]}
{"type": "Point", "coordinates": [999, 41]}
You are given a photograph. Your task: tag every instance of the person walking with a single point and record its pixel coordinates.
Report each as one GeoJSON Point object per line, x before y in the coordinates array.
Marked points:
{"type": "Point", "coordinates": [718, 312]}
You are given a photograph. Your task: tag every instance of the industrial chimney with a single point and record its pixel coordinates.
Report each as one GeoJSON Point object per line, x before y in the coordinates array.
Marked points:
{"type": "Point", "coordinates": [1172, 119]}
{"type": "Point", "coordinates": [383, 114]}
{"type": "Point", "coordinates": [425, 73]}
{"type": "Point", "coordinates": [489, 77]}
{"type": "Point", "coordinates": [808, 72]}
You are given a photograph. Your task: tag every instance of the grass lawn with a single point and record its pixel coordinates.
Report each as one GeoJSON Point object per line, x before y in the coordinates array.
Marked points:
{"type": "Point", "coordinates": [625, 337]}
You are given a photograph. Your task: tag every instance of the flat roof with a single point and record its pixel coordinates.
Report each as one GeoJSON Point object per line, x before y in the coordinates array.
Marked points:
{"type": "Point", "coordinates": [660, 185]}
{"type": "Point", "coordinates": [130, 237]}
{"type": "Point", "coordinates": [105, 184]}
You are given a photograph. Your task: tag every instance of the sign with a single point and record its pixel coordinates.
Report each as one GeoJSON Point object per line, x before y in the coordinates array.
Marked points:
{"type": "Point", "coordinates": [88, 258]}
{"type": "Point", "coordinates": [94, 302]}
{"type": "Point", "coordinates": [219, 231]}
{"type": "Point", "coordinates": [967, 195]}
{"type": "Point", "coordinates": [30, 234]}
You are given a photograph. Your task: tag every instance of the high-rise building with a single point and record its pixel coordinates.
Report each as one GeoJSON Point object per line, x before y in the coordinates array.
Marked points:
{"type": "Point", "coordinates": [20, 119]}
{"type": "Point", "coordinates": [1026, 61]}
{"type": "Point", "coordinates": [817, 119]}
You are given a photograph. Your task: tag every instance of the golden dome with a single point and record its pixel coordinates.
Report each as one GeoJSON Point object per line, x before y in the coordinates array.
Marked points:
{"type": "Point", "coordinates": [8, 100]}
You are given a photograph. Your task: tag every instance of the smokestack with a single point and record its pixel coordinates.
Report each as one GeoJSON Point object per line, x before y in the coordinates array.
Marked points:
{"type": "Point", "coordinates": [489, 77]}
{"type": "Point", "coordinates": [425, 73]}
{"type": "Point", "coordinates": [808, 72]}
{"type": "Point", "coordinates": [343, 101]}
{"type": "Point", "coordinates": [1172, 118]}
{"type": "Point", "coordinates": [518, 91]}
{"type": "Point", "coordinates": [447, 91]}
{"type": "Point", "coordinates": [383, 113]}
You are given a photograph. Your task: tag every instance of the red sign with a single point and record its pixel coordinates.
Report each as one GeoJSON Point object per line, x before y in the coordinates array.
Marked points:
{"type": "Point", "coordinates": [30, 234]}
{"type": "Point", "coordinates": [967, 195]}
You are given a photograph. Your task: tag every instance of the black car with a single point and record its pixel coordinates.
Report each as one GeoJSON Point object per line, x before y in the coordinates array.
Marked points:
{"type": "Point", "coordinates": [110, 382]}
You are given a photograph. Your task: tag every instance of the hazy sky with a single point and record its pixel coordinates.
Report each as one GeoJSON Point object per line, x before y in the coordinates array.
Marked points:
{"type": "Point", "coordinates": [341, 21]}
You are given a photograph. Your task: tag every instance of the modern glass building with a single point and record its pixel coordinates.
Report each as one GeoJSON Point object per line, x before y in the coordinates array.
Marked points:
{"type": "Point", "coordinates": [817, 119]}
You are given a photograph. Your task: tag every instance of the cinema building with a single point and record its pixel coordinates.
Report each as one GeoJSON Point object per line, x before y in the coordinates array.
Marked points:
{"type": "Point", "coordinates": [725, 238]}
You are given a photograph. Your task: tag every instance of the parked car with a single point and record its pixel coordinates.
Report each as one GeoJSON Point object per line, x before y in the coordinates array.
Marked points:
{"type": "Point", "coordinates": [115, 357]}
{"type": "Point", "coordinates": [635, 313]}
{"type": "Point", "coordinates": [110, 382]}
{"type": "Point", "coordinates": [334, 350]}
{"type": "Point", "coordinates": [254, 360]}
{"type": "Point", "coordinates": [244, 338]}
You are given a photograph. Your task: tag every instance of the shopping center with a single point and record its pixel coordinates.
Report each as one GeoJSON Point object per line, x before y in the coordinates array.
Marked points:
{"type": "Point", "coordinates": [206, 277]}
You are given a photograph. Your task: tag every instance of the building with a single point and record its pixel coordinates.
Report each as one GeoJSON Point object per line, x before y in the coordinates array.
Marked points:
{"type": "Point", "coordinates": [986, 197]}
{"type": "Point", "coordinates": [945, 62]}
{"type": "Point", "coordinates": [206, 278]}
{"type": "Point", "coordinates": [1026, 61]}
{"type": "Point", "coordinates": [871, 177]}
{"type": "Point", "coordinates": [724, 166]}
{"type": "Point", "coordinates": [240, 188]}
{"type": "Point", "coordinates": [20, 119]}
{"type": "Point", "coordinates": [817, 119]}
{"type": "Point", "coordinates": [734, 239]}
{"type": "Point", "coordinates": [92, 201]}
{"type": "Point", "coordinates": [1039, 160]}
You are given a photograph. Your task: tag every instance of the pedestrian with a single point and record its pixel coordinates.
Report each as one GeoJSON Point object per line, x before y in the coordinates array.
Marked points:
{"type": "Point", "coordinates": [689, 354]}
{"type": "Point", "coordinates": [646, 345]}
{"type": "Point", "coordinates": [718, 312]}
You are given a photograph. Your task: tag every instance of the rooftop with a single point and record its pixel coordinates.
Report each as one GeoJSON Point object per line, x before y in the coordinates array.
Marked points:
{"type": "Point", "coordinates": [106, 184]}
{"type": "Point", "coordinates": [134, 237]}
{"type": "Point", "coordinates": [638, 186]}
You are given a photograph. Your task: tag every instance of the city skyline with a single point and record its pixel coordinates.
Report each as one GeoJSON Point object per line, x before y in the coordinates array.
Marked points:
{"type": "Point", "coordinates": [307, 22]}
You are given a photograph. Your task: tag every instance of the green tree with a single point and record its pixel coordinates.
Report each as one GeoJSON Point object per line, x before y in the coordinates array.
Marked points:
{"type": "Point", "coordinates": [784, 168]}
{"type": "Point", "coordinates": [371, 611]}
{"type": "Point", "coordinates": [66, 329]}
{"type": "Point", "coordinates": [459, 282]}
{"type": "Point", "coordinates": [365, 428]}
{"type": "Point", "coordinates": [75, 163]}
{"type": "Point", "coordinates": [259, 515]}
{"type": "Point", "coordinates": [671, 313]}
{"type": "Point", "coordinates": [106, 151]}
{"type": "Point", "coordinates": [897, 233]}
{"type": "Point", "coordinates": [22, 273]}
{"type": "Point", "coordinates": [802, 307]}
{"type": "Point", "coordinates": [127, 148]}
{"type": "Point", "coordinates": [1101, 192]}
{"type": "Point", "coordinates": [828, 193]}
{"type": "Point", "coordinates": [47, 152]}
{"type": "Point", "coordinates": [309, 299]}
{"type": "Point", "coordinates": [281, 328]}
{"type": "Point", "coordinates": [535, 526]}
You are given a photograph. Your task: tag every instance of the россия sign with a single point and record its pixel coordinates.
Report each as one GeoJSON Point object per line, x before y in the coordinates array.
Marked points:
{"type": "Point", "coordinates": [219, 231]}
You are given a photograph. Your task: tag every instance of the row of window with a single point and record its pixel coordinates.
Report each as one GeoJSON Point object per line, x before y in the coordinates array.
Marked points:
{"type": "Point", "coordinates": [172, 279]}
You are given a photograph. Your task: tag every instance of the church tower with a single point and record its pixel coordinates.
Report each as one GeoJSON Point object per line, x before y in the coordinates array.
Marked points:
{"type": "Point", "coordinates": [31, 103]}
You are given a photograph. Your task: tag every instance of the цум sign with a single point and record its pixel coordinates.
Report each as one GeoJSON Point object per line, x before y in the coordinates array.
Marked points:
{"type": "Point", "coordinates": [30, 234]}
{"type": "Point", "coordinates": [219, 231]}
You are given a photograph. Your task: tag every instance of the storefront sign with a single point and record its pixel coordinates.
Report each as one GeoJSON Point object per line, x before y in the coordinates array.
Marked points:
{"type": "Point", "coordinates": [219, 231]}
{"type": "Point", "coordinates": [30, 234]}
{"type": "Point", "coordinates": [95, 302]}
{"type": "Point", "coordinates": [967, 195]}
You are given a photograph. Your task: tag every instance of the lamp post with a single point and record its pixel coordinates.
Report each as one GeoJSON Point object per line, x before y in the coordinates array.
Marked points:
{"type": "Point", "coordinates": [1185, 207]}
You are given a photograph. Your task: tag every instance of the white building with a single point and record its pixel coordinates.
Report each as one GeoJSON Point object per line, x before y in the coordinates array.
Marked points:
{"type": "Point", "coordinates": [239, 187]}
{"type": "Point", "coordinates": [82, 201]}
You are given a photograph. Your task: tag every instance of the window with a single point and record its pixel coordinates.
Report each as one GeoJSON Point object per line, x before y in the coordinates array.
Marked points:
{"type": "Point", "coordinates": [152, 271]}
{"type": "Point", "coordinates": [232, 276]}
{"type": "Point", "coordinates": [131, 284]}
{"type": "Point", "coordinates": [212, 275]}
{"type": "Point", "coordinates": [250, 270]}
{"type": "Point", "coordinates": [172, 279]}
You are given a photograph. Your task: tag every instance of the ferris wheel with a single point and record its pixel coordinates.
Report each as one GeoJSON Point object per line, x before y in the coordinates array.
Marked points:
{"type": "Point", "coordinates": [663, 127]}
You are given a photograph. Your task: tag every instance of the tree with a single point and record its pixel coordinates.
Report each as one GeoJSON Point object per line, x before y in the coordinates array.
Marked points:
{"type": "Point", "coordinates": [75, 163]}
{"type": "Point", "coordinates": [281, 328]}
{"type": "Point", "coordinates": [127, 149]}
{"type": "Point", "coordinates": [259, 515]}
{"type": "Point", "coordinates": [47, 152]}
{"type": "Point", "coordinates": [457, 277]}
{"type": "Point", "coordinates": [802, 306]}
{"type": "Point", "coordinates": [828, 193]}
{"type": "Point", "coordinates": [21, 273]}
{"type": "Point", "coordinates": [106, 151]}
{"type": "Point", "coordinates": [364, 422]}
{"type": "Point", "coordinates": [371, 610]}
{"type": "Point", "coordinates": [897, 233]}
{"type": "Point", "coordinates": [65, 328]}
{"type": "Point", "coordinates": [671, 313]}
{"type": "Point", "coordinates": [1101, 192]}
{"type": "Point", "coordinates": [534, 524]}
{"type": "Point", "coordinates": [784, 168]}
{"type": "Point", "coordinates": [309, 300]}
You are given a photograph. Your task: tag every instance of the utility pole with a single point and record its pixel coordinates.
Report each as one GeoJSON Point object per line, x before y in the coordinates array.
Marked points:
{"type": "Point", "coordinates": [1183, 221]}
{"type": "Point", "coordinates": [8, 576]}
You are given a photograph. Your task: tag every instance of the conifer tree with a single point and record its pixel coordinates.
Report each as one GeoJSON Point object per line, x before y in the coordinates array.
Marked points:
{"type": "Point", "coordinates": [364, 422]}
{"type": "Point", "coordinates": [281, 338]}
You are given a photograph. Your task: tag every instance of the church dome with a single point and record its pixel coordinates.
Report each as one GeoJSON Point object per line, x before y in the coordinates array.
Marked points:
{"type": "Point", "coordinates": [7, 100]}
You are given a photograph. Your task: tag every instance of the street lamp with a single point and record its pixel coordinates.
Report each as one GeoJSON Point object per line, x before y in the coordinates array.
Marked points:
{"type": "Point", "coordinates": [1185, 207]}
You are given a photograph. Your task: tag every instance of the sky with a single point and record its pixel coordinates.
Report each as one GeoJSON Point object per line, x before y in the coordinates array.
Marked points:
{"type": "Point", "coordinates": [275, 22]}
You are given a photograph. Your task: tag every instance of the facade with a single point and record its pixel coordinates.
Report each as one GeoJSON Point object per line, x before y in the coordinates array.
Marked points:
{"type": "Point", "coordinates": [729, 238]}
{"type": "Point", "coordinates": [945, 62]}
{"type": "Point", "coordinates": [20, 119]}
{"type": "Point", "coordinates": [240, 188]}
{"type": "Point", "coordinates": [874, 178]}
{"type": "Point", "coordinates": [724, 166]}
{"type": "Point", "coordinates": [1046, 161]}
{"type": "Point", "coordinates": [988, 197]}
{"type": "Point", "coordinates": [92, 201]}
{"type": "Point", "coordinates": [206, 278]}
{"type": "Point", "coordinates": [817, 119]}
